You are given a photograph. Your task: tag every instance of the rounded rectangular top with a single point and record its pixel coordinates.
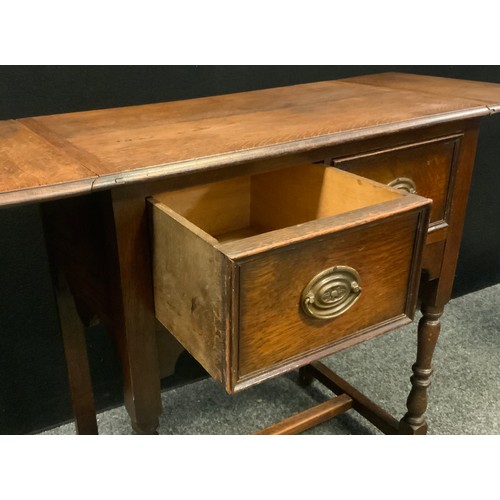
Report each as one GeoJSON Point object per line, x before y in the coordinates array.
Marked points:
{"type": "Point", "coordinates": [74, 153]}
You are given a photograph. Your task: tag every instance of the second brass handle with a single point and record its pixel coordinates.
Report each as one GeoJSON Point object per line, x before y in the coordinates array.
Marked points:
{"type": "Point", "coordinates": [405, 184]}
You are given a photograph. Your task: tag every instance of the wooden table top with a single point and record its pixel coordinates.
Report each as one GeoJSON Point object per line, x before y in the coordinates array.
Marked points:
{"type": "Point", "coordinates": [75, 153]}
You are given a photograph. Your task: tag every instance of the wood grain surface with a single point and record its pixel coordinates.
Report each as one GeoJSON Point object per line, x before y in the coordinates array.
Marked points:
{"type": "Point", "coordinates": [189, 288]}
{"type": "Point", "coordinates": [60, 155]}
{"type": "Point", "coordinates": [250, 205]}
{"type": "Point", "coordinates": [272, 325]}
{"type": "Point", "coordinates": [30, 166]}
{"type": "Point", "coordinates": [429, 165]}
{"type": "Point", "coordinates": [292, 196]}
{"type": "Point", "coordinates": [364, 406]}
{"type": "Point", "coordinates": [309, 418]}
{"type": "Point", "coordinates": [133, 324]}
{"type": "Point", "coordinates": [489, 93]}
{"type": "Point", "coordinates": [216, 208]}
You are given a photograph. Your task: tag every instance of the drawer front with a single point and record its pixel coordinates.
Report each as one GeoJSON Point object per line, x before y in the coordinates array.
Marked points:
{"type": "Point", "coordinates": [273, 326]}
{"type": "Point", "coordinates": [427, 167]}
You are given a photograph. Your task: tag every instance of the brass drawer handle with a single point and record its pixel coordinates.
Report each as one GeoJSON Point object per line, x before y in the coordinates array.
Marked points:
{"type": "Point", "coordinates": [331, 292]}
{"type": "Point", "coordinates": [405, 184]}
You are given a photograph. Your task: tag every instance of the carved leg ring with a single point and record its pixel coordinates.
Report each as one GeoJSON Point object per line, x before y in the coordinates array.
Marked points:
{"type": "Point", "coordinates": [428, 332]}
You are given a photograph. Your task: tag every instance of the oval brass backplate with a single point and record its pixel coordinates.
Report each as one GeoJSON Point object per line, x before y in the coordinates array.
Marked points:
{"type": "Point", "coordinates": [331, 292]}
{"type": "Point", "coordinates": [405, 184]}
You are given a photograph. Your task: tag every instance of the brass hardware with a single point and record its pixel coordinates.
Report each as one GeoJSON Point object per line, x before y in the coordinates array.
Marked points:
{"type": "Point", "coordinates": [405, 184]}
{"type": "Point", "coordinates": [331, 292]}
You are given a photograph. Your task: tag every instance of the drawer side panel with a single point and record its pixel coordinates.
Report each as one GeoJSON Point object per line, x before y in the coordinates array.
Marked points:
{"type": "Point", "coordinates": [189, 289]}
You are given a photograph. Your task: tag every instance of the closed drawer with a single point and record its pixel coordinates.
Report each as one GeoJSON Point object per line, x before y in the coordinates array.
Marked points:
{"type": "Point", "coordinates": [258, 275]}
{"type": "Point", "coordinates": [425, 168]}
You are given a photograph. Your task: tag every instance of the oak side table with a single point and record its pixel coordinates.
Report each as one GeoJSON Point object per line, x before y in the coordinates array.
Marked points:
{"type": "Point", "coordinates": [264, 230]}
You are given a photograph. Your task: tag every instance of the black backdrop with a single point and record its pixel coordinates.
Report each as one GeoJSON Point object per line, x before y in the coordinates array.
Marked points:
{"type": "Point", "coordinates": [33, 387]}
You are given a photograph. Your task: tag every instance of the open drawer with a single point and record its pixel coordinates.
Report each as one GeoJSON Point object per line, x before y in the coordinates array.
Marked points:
{"type": "Point", "coordinates": [260, 274]}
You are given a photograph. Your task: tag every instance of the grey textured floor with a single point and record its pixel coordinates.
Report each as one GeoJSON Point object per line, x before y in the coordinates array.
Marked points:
{"type": "Point", "coordinates": [464, 396]}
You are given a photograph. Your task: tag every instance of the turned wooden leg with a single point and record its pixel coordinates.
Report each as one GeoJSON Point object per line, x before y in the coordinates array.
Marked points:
{"type": "Point", "coordinates": [428, 332]}
{"type": "Point", "coordinates": [75, 350]}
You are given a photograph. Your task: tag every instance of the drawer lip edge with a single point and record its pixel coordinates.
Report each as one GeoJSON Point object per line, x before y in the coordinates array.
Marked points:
{"type": "Point", "coordinates": [291, 235]}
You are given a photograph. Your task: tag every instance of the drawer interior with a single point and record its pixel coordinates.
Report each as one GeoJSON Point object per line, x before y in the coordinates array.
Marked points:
{"type": "Point", "coordinates": [245, 206]}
